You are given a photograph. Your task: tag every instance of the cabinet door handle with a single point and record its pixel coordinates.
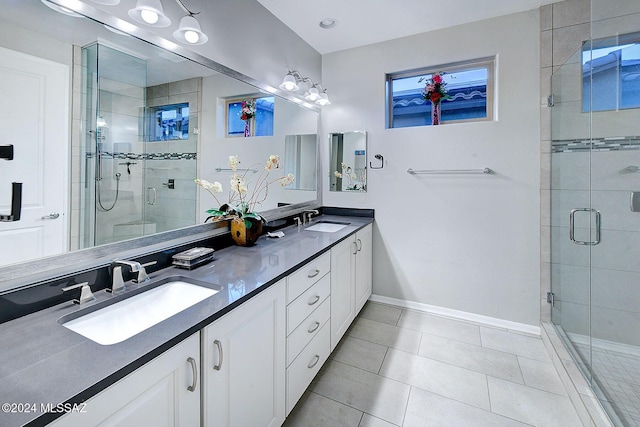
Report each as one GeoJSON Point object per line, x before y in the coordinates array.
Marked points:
{"type": "Point", "coordinates": [359, 245]}
{"type": "Point", "coordinates": [315, 300]}
{"type": "Point", "coordinates": [314, 362]}
{"type": "Point", "coordinates": [220, 355]}
{"type": "Point", "coordinates": [314, 274]}
{"type": "Point", "coordinates": [194, 370]}
{"type": "Point", "coordinates": [314, 328]}
{"type": "Point", "coordinates": [356, 248]}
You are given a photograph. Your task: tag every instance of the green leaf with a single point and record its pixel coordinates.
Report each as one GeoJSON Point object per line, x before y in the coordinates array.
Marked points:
{"type": "Point", "coordinates": [216, 212]}
{"type": "Point", "coordinates": [248, 223]}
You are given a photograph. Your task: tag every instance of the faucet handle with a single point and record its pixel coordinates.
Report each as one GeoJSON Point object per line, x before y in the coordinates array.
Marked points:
{"type": "Point", "coordinates": [142, 273]}
{"type": "Point", "coordinates": [85, 292]}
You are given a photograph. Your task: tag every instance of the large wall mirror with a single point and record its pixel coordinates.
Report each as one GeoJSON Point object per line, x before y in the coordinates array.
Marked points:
{"type": "Point", "coordinates": [348, 161]}
{"type": "Point", "coordinates": [122, 129]}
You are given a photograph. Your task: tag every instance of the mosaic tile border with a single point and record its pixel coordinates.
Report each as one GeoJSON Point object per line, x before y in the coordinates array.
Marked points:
{"type": "Point", "coordinates": [622, 143]}
{"type": "Point", "coordinates": [146, 156]}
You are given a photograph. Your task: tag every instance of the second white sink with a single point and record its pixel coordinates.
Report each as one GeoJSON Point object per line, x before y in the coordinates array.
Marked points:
{"type": "Point", "coordinates": [117, 322]}
{"type": "Point", "coordinates": [326, 227]}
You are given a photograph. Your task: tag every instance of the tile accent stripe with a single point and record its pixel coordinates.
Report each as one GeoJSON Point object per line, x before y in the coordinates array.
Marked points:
{"type": "Point", "coordinates": [622, 143]}
{"type": "Point", "coordinates": [146, 156]}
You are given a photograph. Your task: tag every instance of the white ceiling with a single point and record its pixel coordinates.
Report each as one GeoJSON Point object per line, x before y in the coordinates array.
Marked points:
{"type": "Point", "coordinates": [363, 22]}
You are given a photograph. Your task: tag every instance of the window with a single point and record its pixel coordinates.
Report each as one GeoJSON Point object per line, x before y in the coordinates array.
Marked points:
{"type": "Point", "coordinates": [469, 88]}
{"type": "Point", "coordinates": [170, 122]}
{"type": "Point", "coordinates": [260, 120]}
{"type": "Point", "coordinates": [611, 73]}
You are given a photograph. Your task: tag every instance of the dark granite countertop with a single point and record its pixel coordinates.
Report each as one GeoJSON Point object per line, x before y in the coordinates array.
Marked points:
{"type": "Point", "coordinates": [42, 362]}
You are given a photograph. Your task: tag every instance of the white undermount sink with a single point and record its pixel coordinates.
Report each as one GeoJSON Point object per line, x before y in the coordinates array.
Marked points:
{"type": "Point", "coordinates": [130, 316]}
{"type": "Point", "coordinates": [327, 226]}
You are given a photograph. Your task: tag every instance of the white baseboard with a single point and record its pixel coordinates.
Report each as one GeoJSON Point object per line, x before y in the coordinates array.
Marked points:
{"type": "Point", "coordinates": [460, 315]}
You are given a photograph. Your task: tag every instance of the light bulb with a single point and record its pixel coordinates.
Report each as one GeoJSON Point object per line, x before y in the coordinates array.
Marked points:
{"type": "Point", "coordinates": [191, 36]}
{"type": "Point", "coordinates": [149, 16]}
{"type": "Point", "coordinates": [313, 94]}
{"type": "Point", "coordinates": [289, 83]}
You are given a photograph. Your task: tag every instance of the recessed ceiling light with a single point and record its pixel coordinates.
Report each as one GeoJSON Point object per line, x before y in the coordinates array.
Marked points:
{"type": "Point", "coordinates": [327, 23]}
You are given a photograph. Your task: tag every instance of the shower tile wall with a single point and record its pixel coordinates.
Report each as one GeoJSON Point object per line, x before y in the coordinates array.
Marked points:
{"type": "Point", "coordinates": [77, 175]}
{"type": "Point", "coordinates": [175, 208]}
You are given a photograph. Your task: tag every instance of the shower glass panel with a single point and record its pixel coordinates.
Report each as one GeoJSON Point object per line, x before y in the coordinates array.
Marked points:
{"type": "Point", "coordinates": [114, 101]}
{"type": "Point", "coordinates": [595, 207]}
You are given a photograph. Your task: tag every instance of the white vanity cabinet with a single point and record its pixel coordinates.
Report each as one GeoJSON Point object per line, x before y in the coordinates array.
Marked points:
{"type": "Point", "coordinates": [308, 332]}
{"type": "Point", "coordinates": [364, 266]}
{"type": "Point", "coordinates": [164, 392]}
{"type": "Point", "coordinates": [243, 364]}
{"type": "Point", "coordinates": [351, 265]}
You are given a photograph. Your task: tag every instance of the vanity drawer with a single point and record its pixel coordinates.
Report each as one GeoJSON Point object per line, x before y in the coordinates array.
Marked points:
{"type": "Point", "coordinates": [309, 328]}
{"type": "Point", "coordinates": [307, 365]}
{"type": "Point", "coordinates": [306, 303]}
{"type": "Point", "coordinates": [306, 276]}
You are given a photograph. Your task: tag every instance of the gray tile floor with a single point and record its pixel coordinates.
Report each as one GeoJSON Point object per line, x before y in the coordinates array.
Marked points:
{"type": "Point", "coordinates": [398, 367]}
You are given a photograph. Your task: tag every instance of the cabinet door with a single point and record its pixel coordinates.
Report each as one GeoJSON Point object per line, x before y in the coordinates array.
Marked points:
{"type": "Point", "coordinates": [164, 392]}
{"type": "Point", "coordinates": [244, 364]}
{"type": "Point", "coordinates": [364, 263]}
{"type": "Point", "coordinates": [343, 275]}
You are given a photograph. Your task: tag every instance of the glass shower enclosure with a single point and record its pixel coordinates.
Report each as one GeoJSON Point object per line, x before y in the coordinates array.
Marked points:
{"type": "Point", "coordinates": [595, 207]}
{"type": "Point", "coordinates": [140, 158]}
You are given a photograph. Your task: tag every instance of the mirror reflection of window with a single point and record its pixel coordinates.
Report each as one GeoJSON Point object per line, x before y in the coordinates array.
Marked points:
{"type": "Point", "coordinates": [171, 122]}
{"type": "Point", "coordinates": [610, 67]}
{"type": "Point", "coordinates": [260, 119]}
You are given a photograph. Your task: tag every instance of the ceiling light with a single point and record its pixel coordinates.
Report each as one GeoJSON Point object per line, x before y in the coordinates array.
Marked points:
{"type": "Point", "coordinates": [190, 32]}
{"type": "Point", "coordinates": [61, 9]}
{"type": "Point", "coordinates": [149, 12]}
{"type": "Point", "coordinates": [289, 83]}
{"type": "Point", "coordinates": [328, 23]}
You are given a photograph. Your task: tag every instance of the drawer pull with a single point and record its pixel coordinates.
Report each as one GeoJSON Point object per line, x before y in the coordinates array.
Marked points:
{"type": "Point", "coordinates": [314, 274]}
{"type": "Point", "coordinates": [194, 369]}
{"type": "Point", "coordinates": [314, 328]}
{"type": "Point", "coordinates": [315, 300]}
{"type": "Point", "coordinates": [220, 354]}
{"type": "Point", "coordinates": [315, 361]}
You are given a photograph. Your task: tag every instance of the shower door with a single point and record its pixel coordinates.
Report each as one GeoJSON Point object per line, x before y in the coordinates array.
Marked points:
{"type": "Point", "coordinates": [595, 217]}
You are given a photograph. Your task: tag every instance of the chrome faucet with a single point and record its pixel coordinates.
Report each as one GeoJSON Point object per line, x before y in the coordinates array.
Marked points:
{"type": "Point", "coordinates": [117, 279]}
{"type": "Point", "coordinates": [308, 214]}
{"type": "Point", "coordinates": [85, 292]}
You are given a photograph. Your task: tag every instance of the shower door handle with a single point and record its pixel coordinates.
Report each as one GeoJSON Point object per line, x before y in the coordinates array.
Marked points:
{"type": "Point", "coordinates": [151, 191]}
{"type": "Point", "coordinates": [572, 236]}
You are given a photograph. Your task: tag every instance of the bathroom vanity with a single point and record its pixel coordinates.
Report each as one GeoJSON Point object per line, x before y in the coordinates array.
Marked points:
{"type": "Point", "coordinates": [242, 356]}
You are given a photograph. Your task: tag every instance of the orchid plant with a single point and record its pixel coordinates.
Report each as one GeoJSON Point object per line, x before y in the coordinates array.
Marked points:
{"type": "Point", "coordinates": [241, 202]}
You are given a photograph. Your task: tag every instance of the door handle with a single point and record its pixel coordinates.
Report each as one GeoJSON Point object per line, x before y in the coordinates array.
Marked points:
{"type": "Point", "coordinates": [218, 344]}
{"type": "Point", "coordinates": [572, 236]}
{"type": "Point", "coordinates": [54, 215]}
{"type": "Point", "coordinates": [194, 370]}
{"type": "Point", "coordinates": [150, 191]}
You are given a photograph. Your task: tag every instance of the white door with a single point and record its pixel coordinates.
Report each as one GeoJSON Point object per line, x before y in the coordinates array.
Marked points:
{"type": "Point", "coordinates": [34, 118]}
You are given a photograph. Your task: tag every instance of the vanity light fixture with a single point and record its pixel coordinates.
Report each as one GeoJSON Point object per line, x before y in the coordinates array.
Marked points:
{"type": "Point", "coordinates": [292, 82]}
{"type": "Point", "coordinates": [150, 12]}
{"type": "Point", "coordinates": [189, 31]}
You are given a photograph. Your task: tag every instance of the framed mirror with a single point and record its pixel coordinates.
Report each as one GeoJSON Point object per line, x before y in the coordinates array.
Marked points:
{"type": "Point", "coordinates": [301, 152]}
{"type": "Point", "coordinates": [348, 161]}
{"type": "Point", "coordinates": [134, 125]}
